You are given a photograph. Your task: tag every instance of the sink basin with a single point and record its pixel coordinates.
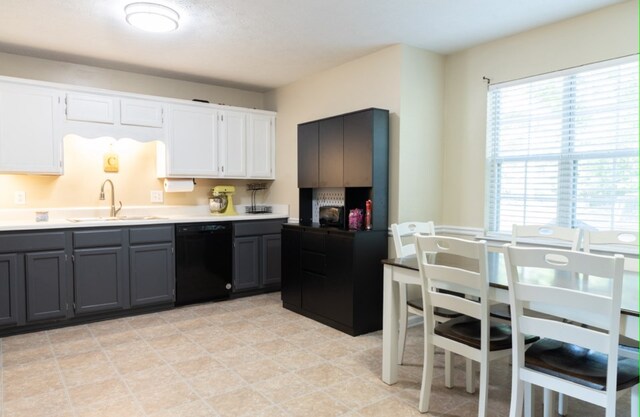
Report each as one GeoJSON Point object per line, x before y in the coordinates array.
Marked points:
{"type": "Point", "coordinates": [110, 219]}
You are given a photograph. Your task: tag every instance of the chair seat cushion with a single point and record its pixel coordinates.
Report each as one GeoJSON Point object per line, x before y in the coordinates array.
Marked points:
{"type": "Point", "coordinates": [500, 311]}
{"type": "Point", "coordinates": [438, 311]}
{"type": "Point", "coordinates": [577, 364]}
{"type": "Point", "coordinates": [466, 330]}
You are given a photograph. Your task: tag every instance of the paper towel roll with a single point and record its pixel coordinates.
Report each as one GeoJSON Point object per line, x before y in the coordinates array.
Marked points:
{"type": "Point", "coordinates": [178, 186]}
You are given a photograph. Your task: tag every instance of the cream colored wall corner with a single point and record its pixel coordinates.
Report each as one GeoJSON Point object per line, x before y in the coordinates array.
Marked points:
{"type": "Point", "coordinates": [607, 33]}
{"type": "Point", "coordinates": [419, 173]}
{"type": "Point", "coordinates": [404, 80]}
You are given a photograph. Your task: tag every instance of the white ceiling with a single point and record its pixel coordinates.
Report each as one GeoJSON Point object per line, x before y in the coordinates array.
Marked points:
{"type": "Point", "coordinates": [263, 44]}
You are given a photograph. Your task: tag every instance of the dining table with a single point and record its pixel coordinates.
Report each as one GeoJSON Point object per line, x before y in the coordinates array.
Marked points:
{"type": "Point", "coordinates": [405, 270]}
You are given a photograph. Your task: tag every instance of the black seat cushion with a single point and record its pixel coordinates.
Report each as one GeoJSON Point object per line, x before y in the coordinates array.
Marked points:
{"type": "Point", "coordinates": [577, 364]}
{"type": "Point", "coordinates": [438, 311]}
{"type": "Point", "coordinates": [500, 311]}
{"type": "Point", "coordinates": [466, 330]}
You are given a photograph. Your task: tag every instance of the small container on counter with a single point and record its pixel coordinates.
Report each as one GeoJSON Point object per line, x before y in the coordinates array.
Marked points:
{"type": "Point", "coordinates": [355, 219]}
{"type": "Point", "coordinates": [42, 216]}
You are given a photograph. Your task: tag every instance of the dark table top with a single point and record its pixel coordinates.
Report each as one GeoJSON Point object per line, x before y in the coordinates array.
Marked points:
{"type": "Point", "coordinates": [498, 277]}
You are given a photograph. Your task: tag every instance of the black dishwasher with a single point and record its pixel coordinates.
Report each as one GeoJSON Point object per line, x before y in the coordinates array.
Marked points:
{"type": "Point", "coordinates": [203, 262]}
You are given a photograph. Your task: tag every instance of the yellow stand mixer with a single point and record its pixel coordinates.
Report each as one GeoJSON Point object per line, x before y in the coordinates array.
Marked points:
{"type": "Point", "coordinates": [221, 200]}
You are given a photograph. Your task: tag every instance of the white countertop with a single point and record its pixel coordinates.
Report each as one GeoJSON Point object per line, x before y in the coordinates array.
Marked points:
{"type": "Point", "coordinates": [59, 218]}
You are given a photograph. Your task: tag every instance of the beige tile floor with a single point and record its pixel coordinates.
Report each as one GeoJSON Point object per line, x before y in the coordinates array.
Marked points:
{"type": "Point", "coordinates": [245, 357]}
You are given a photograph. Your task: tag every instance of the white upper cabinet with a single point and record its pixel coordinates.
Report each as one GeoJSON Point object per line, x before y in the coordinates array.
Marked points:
{"type": "Point", "coordinates": [233, 144]}
{"type": "Point", "coordinates": [261, 146]}
{"type": "Point", "coordinates": [30, 137]}
{"type": "Point", "coordinates": [141, 113]}
{"type": "Point", "coordinates": [95, 115]}
{"type": "Point", "coordinates": [92, 108]}
{"type": "Point", "coordinates": [192, 146]}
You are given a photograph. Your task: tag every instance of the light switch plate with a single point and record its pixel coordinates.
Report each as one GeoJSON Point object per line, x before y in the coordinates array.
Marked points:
{"type": "Point", "coordinates": [157, 196]}
{"type": "Point", "coordinates": [20, 197]}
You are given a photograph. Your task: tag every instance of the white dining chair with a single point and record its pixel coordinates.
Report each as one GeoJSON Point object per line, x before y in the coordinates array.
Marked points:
{"type": "Point", "coordinates": [578, 351]}
{"type": "Point", "coordinates": [404, 245]}
{"type": "Point", "coordinates": [546, 234]}
{"type": "Point", "coordinates": [472, 335]}
{"type": "Point", "coordinates": [610, 241]}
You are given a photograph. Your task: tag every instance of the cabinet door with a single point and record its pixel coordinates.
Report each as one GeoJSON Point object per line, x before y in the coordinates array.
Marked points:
{"type": "Point", "coordinates": [260, 146]}
{"type": "Point", "coordinates": [308, 155]}
{"type": "Point", "coordinates": [192, 148]}
{"type": "Point", "coordinates": [339, 278]}
{"type": "Point", "coordinates": [99, 280]}
{"type": "Point", "coordinates": [290, 289]}
{"type": "Point", "coordinates": [271, 260]}
{"type": "Point", "coordinates": [330, 132]}
{"type": "Point", "coordinates": [30, 133]}
{"type": "Point", "coordinates": [151, 273]}
{"type": "Point", "coordinates": [8, 289]}
{"type": "Point", "coordinates": [358, 149]}
{"type": "Point", "coordinates": [233, 143]}
{"type": "Point", "coordinates": [246, 263]}
{"type": "Point", "coordinates": [95, 108]}
{"type": "Point", "coordinates": [142, 113]}
{"type": "Point", "coordinates": [45, 285]}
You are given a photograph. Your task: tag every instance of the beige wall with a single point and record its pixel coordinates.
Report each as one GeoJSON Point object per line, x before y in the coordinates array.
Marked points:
{"type": "Point", "coordinates": [608, 33]}
{"type": "Point", "coordinates": [80, 184]}
{"type": "Point", "coordinates": [404, 80]}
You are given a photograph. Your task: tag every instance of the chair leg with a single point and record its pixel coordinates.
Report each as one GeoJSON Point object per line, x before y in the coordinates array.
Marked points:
{"type": "Point", "coordinates": [517, 395]}
{"type": "Point", "coordinates": [548, 403]}
{"type": "Point", "coordinates": [402, 336]}
{"type": "Point", "coordinates": [563, 405]}
{"type": "Point", "coordinates": [427, 377]}
{"type": "Point", "coordinates": [484, 388]}
{"type": "Point", "coordinates": [529, 400]}
{"type": "Point", "coordinates": [448, 369]}
{"type": "Point", "coordinates": [470, 377]}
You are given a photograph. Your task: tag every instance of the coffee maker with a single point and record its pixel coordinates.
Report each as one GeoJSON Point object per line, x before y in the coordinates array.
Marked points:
{"type": "Point", "coordinates": [221, 200]}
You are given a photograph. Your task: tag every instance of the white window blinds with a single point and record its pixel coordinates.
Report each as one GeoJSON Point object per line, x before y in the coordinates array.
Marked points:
{"type": "Point", "coordinates": [563, 149]}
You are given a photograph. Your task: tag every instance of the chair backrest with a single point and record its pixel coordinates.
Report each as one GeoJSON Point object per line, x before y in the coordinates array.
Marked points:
{"type": "Point", "coordinates": [547, 232]}
{"type": "Point", "coordinates": [449, 264]}
{"type": "Point", "coordinates": [546, 277]}
{"type": "Point", "coordinates": [401, 231]}
{"type": "Point", "coordinates": [610, 240]}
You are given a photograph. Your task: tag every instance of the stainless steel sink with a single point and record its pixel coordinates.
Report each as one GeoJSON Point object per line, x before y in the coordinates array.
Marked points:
{"type": "Point", "coordinates": [110, 219]}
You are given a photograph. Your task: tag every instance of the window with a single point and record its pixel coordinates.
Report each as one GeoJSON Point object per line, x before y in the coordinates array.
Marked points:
{"type": "Point", "coordinates": [562, 149]}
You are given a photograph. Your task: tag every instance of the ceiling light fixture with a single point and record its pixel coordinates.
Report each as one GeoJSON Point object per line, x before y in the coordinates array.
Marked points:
{"type": "Point", "coordinates": [152, 17]}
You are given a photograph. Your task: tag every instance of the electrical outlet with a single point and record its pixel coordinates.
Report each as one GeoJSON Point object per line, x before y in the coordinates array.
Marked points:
{"type": "Point", "coordinates": [157, 197]}
{"type": "Point", "coordinates": [20, 197]}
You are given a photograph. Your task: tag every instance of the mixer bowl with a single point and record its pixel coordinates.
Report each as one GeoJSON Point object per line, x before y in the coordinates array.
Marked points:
{"type": "Point", "coordinates": [218, 204]}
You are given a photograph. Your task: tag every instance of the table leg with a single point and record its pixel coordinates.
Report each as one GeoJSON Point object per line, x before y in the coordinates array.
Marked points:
{"type": "Point", "coordinates": [390, 319]}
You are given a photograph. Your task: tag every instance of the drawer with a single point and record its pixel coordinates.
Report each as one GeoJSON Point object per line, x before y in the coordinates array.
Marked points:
{"type": "Point", "coordinates": [158, 234]}
{"type": "Point", "coordinates": [261, 227]}
{"type": "Point", "coordinates": [31, 242]}
{"type": "Point", "coordinates": [314, 242]}
{"type": "Point", "coordinates": [313, 262]}
{"type": "Point", "coordinates": [97, 238]}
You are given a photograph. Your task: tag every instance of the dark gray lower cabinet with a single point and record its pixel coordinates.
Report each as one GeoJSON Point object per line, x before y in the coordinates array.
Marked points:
{"type": "Point", "coordinates": [99, 270]}
{"type": "Point", "coordinates": [98, 276]}
{"type": "Point", "coordinates": [151, 274]}
{"type": "Point", "coordinates": [8, 289]}
{"type": "Point", "coordinates": [46, 285]}
{"type": "Point", "coordinates": [54, 276]}
{"type": "Point", "coordinates": [256, 255]}
{"type": "Point", "coordinates": [151, 265]}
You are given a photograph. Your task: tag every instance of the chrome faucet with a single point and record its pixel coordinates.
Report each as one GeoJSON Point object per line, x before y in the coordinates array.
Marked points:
{"type": "Point", "coordinates": [113, 212]}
